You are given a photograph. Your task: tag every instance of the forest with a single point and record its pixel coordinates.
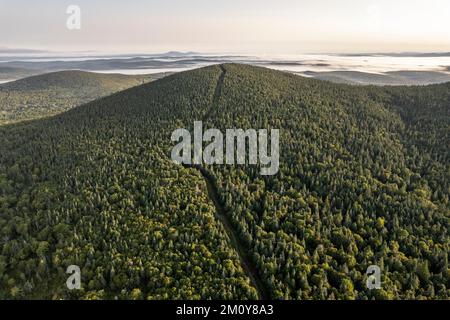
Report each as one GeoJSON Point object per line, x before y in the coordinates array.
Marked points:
{"type": "Point", "coordinates": [363, 180]}
{"type": "Point", "coordinates": [53, 93]}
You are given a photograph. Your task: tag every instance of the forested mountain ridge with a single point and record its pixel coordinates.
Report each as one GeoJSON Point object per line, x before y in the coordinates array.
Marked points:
{"type": "Point", "coordinates": [364, 179]}
{"type": "Point", "coordinates": [52, 93]}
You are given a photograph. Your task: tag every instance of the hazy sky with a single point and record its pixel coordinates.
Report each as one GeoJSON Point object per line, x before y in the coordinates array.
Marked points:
{"type": "Point", "coordinates": [252, 26]}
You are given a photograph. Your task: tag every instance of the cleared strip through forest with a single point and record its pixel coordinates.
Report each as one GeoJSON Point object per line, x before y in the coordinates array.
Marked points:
{"type": "Point", "coordinates": [217, 93]}
{"type": "Point", "coordinates": [221, 213]}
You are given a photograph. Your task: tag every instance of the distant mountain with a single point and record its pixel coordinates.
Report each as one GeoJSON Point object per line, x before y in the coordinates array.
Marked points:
{"type": "Point", "coordinates": [179, 54]}
{"type": "Point", "coordinates": [19, 51]}
{"type": "Point", "coordinates": [389, 78]}
{"type": "Point", "coordinates": [13, 73]}
{"type": "Point", "coordinates": [363, 181]}
{"type": "Point", "coordinates": [74, 79]}
{"type": "Point", "coordinates": [174, 61]}
{"type": "Point", "coordinates": [103, 64]}
{"type": "Point", "coordinates": [421, 77]}
{"type": "Point", "coordinates": [52, 93]}
{"type": "Point", "coordinates": [352, 77]}
{"type": "Point", "coordinates": [398, 54]}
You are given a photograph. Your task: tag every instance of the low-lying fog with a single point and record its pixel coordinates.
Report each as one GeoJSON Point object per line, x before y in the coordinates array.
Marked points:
{"type": "Point", "coordinates": [405, 68]}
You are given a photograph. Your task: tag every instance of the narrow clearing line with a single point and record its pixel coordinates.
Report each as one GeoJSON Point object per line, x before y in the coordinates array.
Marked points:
{"type": "Point", "coordinates": [221, 213]}
{"type": "Point", "coordinates": [239, 246]}
{"type": "Point", "coordinates": [217, 94]}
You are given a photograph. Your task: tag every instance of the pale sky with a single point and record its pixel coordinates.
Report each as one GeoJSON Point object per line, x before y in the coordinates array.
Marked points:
{"type": "Point", "coordinates": [250, 26]}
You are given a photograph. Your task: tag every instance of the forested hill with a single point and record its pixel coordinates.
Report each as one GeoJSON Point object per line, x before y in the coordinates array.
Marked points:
{"type": "Point", "coordinates": [364, 180]}
{"type": "Point", "coordinates": [75, 79]}
{"type": "Point", "coordinates": [52, 93]}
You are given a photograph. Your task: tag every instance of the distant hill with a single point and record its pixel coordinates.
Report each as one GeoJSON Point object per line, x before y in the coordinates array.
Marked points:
{"type": "Point", "coordinates": [363, 181]}
{"type": "Point", "coordinates": [74, 79]}
{"type": "Point", "coordinates": [395, 78]}
{"type": "Point", "coordinates": [52, 93]}
{"type": "Point", "coordinates": [7, 50]}
{"type": "Point", "coordinates": [11, 73]}
{"type": "Point", "coordinates": [179, 54]}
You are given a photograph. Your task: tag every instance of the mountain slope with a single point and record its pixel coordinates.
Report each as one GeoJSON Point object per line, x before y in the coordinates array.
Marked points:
{"type": "Point", "coordinates": [52, 93]}
{"type": "Point", "coordinates": [363, 180]}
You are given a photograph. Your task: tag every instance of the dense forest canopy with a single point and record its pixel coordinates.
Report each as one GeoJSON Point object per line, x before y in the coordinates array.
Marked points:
{"type": "Point", "coordinates": [364, 180]}
{"type": "Point", "coordinates": [52, 93]}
